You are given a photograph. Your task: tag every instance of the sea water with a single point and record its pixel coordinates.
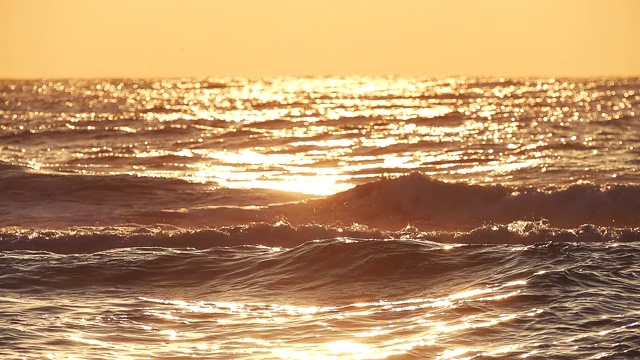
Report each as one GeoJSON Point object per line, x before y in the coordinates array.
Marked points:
{"type": "Point", "coordinates": [320, 218]}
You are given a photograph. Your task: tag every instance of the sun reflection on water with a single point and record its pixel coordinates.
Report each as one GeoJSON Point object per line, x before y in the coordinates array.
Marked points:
{"type": "Point", "coordinates": [441, 327]}
{"type": "Point", "coordinates": [288, 331]}
{"type": "Point", "coordinates": [283, 133]}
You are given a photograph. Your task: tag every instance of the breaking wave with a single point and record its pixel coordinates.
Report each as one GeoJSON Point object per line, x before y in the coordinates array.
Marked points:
{"type": "Point", "coordinates": [421, 201]}
{"type": "Point", "coordinates": [35, 200]}
{"type": "Point", "coordinates": [284, 235]}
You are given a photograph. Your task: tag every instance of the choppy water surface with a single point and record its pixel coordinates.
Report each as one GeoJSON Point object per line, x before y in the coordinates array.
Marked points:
{"type": "Point", "coordinates": [336, 299]}
{"type": "Point", "coordinates": [322, 135]}
{"type": "Point", "coordinates": [423, 219]}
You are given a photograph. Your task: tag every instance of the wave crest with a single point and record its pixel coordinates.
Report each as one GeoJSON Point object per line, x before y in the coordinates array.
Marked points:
{"type": "Point", "coordinates": [59, 201]}
{"type": "Point", "coordinates": [284, 235]}
{"type": "Point", "coordinates": [430, 204]}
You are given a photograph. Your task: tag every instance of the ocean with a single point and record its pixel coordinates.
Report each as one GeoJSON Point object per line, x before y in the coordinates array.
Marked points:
{"type": "Point", "coordinates": [320, 218]}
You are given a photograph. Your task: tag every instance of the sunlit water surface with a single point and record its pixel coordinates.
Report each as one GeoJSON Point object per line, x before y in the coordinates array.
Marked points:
{"type": "Point", "coordinates": [369, 300]}
{"type": "Point", "coordinates": [324, 135]}
{"type": "Point", "coordinates": [137, 219]}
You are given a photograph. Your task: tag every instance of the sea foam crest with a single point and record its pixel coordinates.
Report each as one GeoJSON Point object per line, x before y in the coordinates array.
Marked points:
{"type": "Point", "coordinates": [431, 204]}
{"type": "Point", "coordinates": [33, 200]}
{"type": "Point", "coordinates": [284, 235]}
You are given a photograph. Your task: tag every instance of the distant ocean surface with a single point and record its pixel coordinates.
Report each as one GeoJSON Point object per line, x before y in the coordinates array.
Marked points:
{"type": "Point", "coordinates": [320, 218]}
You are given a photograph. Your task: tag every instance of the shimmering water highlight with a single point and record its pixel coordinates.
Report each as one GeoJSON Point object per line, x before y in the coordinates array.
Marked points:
{"type": "Point", "coordinates": [320, 218]}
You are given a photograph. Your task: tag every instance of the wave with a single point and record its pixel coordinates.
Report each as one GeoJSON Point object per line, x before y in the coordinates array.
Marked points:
{"type": "Point", "coordinates": [345, 262]}
{"type": "Point", "coordinates": [426, 203]}
{"type": "Point", "coordinates": [36, 200]}
{"type": "Point", "coordinates": [284, 235]}
{"type": "Point", "coordinates": [59, 200]}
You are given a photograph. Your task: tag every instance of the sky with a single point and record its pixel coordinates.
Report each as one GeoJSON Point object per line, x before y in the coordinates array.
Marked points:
{"type": "Point", "coordinates": [258, 38]}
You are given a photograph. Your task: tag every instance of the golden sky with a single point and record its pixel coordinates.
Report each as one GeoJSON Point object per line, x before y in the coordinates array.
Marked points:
{"type": "Point", "coordinates": [255, 38]}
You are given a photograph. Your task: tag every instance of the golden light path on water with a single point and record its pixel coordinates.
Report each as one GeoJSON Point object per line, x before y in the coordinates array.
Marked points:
{"type": "Point", "coordinates": [325, 135]}
{"type": "Point", "coordinates": [303, 171]}
{"type": "Point", "coordinates": [318, 136]}
{"type": "Point", "coordinates": [286, 331]}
